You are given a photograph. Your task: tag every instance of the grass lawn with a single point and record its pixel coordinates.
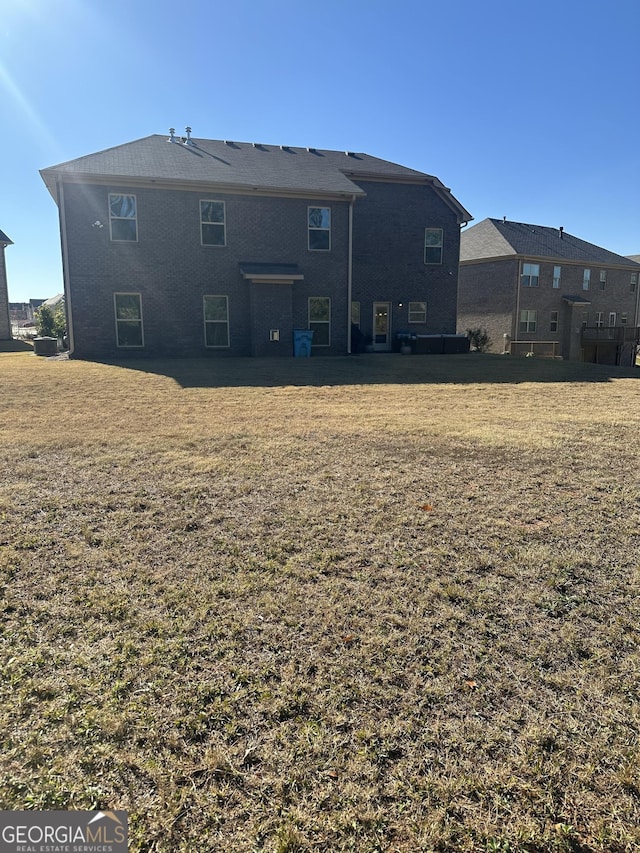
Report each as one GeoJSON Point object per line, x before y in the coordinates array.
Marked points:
{"type": "Point", "coordinates": [379, 603]}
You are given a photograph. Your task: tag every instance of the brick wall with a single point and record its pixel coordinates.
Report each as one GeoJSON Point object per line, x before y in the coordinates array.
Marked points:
{"type": "Point", "coordinates": [5, 322]}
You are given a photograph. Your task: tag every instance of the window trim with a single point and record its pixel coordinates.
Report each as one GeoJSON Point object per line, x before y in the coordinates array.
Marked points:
{"type": "Point", "coordinates": [133, 219]}
{"type": "Point", "coordinates": [586, 279]}
{"type": "Point", "coordinates": [530, 325]}
{"type": "Point", "coordinates": [599, 319]}
{"type": "Point", "coordinates": [421, 311]}
{"type": "Point", "coordinates": [530, 275]}
{"type": "Point", "coordinates": [205, 321]}
{"type": "Point", "coordinates": [319, 322]}
{"type": "Point", "coordinates": [603, 279]}
{"type": "Point", "coordinates": [557, 277]}
{"type": "Point", "coordinates": [311, 228]}
{"type": "Point", "coordinates": [624, 318]}
{"type": "Point", "coordinates": [439, 246]}
{"type": "Point", "coordinates": [614, 315]}
{"type": "Point", "coordinates": [223, 223]}
{"type": "Point", "coordinates": [554, 321]}
{"type": "Point", "coordinates": [633, 282]}
{"type": "Point", "coordinates": [120, 320]}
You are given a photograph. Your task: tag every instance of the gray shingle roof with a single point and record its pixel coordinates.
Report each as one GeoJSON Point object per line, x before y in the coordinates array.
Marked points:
{"type": "Point", "coordinates": [241, 165]}
{"type": "Point", "coordinates": [4, 240]}
{"type": "Point", "coordinates": [495, 238]}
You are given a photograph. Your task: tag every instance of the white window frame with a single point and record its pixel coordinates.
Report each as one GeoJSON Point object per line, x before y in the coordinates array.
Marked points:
{"type": "Point", "coordinates": [612, 318]}
{"type": "Point", "coordinates": [439, 245]}
{"type": "Point", "coordinates": [318, 230]}
{"type": "Point", "coordinates": [586, 279]}
{"type": "Point", "coordinates": [603, 279]}
{"type": "Point", "coordinates": [113, 218]}
{"type": "Point", "coordinates": [530, 275]}
{"type": "Point", "coordinates": [557, 275]}
{"type": "Point", "coordinates": [206, 222]}
{"type": "Point", "coordinates": [633, 282]}
{"type": "Point", "coordinates": [217, 322]}
{"type": "Point", "coordinates": [119, 320]}
{"type": "Point", "coordinates": [624, 318]}
{"type": "Point", "coordinates": [554, 320]}
{"type": "Point", "coordinates": [313, 324]}
{"type": "Point", "coordinates": [530, 321]}
{"type": "Point", "coordinates": [417, 315]}
{"type": "Point", "coordinates": [599, 319]}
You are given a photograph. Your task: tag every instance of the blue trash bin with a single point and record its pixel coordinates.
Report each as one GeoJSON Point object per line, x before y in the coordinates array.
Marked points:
{"type": "Point", "coordinates": [302, 340]}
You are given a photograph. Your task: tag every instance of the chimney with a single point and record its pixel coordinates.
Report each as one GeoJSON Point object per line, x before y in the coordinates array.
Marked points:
{"type": "Point", "coordinates": [561, 229]}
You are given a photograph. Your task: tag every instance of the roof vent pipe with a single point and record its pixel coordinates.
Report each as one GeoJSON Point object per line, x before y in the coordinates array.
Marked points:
{"type": "Point", "coordinates": [561, 229]}
{"type": "Point", "coordinates": [188, 140]}
{"type": "Point", "coordinates": [172, 135]}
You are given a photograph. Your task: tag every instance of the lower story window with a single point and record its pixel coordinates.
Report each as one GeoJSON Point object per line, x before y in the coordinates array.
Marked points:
{"type": "Point", "coordinates": [216, 321]}
{"type": "Point", "coordinates": [355, 314]}
{"type": "Point", "coordinates": [128, 311]}
{"type": "Point", "coordinates": [553, 323]}
{"type": "Point", "coordinates": [528, 321]}
{"type": "Point", "coordinates": [417, 312]}
{"type": "Point", "coordinates": [320, 320]}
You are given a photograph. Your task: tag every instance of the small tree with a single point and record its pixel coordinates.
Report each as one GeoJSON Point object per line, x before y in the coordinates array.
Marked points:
{"type": "Point", "coordinates": [479, 339]}
{"type": "Point", "coordinates": [51, 323]}
{"type": "Point", "coordinates": [59, 321]}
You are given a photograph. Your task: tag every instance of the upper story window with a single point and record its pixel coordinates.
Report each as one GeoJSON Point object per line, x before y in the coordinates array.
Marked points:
{"type": "Point", "coordinates": [128, 312]}
{"type": "Point", "coordinates": [319, 227]}
{"type": "Point", "coordinates": [612, 318]}
{"type": "Point", "coordinates": [603, 279]}
{"type": "Point", "coordinates": [417, 312]}
{"type": "Point", "coordinates": [433, 241]}
{"type": "Point", "coordinates": [624, 318]}
{"type": "Point", "coordinates": [586, 279]}
{"type": "Point", "coordinates": [633, 283]}
{"type": "Point", "coordinates": [557, 272]}
{"type": "Point", "coordinates": [123, 219]}
{"type": "Point", "coordinates": [212, 223]}
{"type": "Point", "coordinates": [530, 275]}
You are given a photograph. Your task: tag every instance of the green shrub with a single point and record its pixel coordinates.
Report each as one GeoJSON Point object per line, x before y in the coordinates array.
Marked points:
{"type": "Point", "coordinates": [480, 340]}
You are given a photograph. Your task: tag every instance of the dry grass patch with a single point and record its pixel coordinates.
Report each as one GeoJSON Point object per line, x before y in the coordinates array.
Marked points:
{"type": "Point", "coordinates": [381, 612]}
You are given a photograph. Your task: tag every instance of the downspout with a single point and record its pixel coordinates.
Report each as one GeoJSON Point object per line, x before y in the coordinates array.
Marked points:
{"type": "Point", "coordinates": [350, 274]}
{"type": "Point", "coordinates": [65, 264]}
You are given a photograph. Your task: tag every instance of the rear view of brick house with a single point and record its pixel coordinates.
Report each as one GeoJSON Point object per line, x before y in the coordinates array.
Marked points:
{"type": "Point", "coordinates": [175, 246]}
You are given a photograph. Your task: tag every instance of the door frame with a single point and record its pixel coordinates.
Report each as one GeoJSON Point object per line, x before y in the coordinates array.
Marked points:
{"type": "Point", "coordinates": [386, 346]}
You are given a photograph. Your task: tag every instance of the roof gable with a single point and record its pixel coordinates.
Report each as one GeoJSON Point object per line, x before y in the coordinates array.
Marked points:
{"type": "Point", "coordinates": [497, 238]}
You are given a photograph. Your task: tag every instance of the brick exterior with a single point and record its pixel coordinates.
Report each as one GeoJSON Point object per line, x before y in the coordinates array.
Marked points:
{"type": "Point", "coordinates": [492, 297]}
{"type": "Point", "coordinates": [172, 271]}
{"type": "Point", "coordinates": [5, 322]}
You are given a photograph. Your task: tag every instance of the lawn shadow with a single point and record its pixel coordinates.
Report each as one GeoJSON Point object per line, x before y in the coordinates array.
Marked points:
{"type": "Point", "coordinates": [372, 369]}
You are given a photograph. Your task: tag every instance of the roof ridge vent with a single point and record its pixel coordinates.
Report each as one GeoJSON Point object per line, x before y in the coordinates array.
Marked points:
{"type": "Point", "coordinates": [312, 150]}
{"type": "Point", "coordinates": [188, 140]}
{"type": "Point", "coordinates": [172, 135]}
{"type": "Point", "coordinates": [350, 153]}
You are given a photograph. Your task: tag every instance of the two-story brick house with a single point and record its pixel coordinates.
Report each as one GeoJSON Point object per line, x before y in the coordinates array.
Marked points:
{"type": "Point", "coordinates": [182, 246]}
{"type": "Point", "coordinates": [541, 290]}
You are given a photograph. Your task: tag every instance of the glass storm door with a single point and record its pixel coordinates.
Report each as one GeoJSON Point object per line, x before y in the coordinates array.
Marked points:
{"type": "Point", "coordinates": [382, 326]}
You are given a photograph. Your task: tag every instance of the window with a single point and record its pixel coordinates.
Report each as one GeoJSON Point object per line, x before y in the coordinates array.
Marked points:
{"type": "Point", "coordinates": [355, 314]}
{"type": "Point", "coordinates": [530, 275]}
{"type": "Point", "coordinates": [216, 322]}
{"type": "Point", "coordinates": [586, 279]}
{"type": "Point", "coordinates": [433, 238]}
{"type": "Point", "coordinates": [128, 312]}
{"type": "Point", "coordinates": [624, 318]}
{"type": "Point", "coordinates": [320, 320]}
{"type": "Point", "coordinates": [319, 229]}
{"type": "Point", "coordinates": [528, 321]}
{"type": "Point", "coordinates": [612, 318]}
{"type": "Point", "coordinates": [599, 319]}
{"type": "Point", "coordinates": [553, 323]}
{"type": "Point", "coordinates": [122, 218]}
{"type": "Point", "coordinates": [417, 312]}
{"type": "Point", "coordinates": [212, 223]}
{"type": "Point", "coordinates": [603, 279]}
{"type": "Point", "coordinates": [585, 319]}
{"type": "Point", "coordinates": [556, 277]}
{"type": "Point", "coordinates": [633, 283]}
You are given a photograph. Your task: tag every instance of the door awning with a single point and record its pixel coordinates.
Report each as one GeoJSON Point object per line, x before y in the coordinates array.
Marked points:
{"type": "Point", "coordinates": [271, 273]}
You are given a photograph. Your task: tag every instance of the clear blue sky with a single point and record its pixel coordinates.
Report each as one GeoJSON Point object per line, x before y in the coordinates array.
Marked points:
{"type": "Point", "coordinates": [528, 110]}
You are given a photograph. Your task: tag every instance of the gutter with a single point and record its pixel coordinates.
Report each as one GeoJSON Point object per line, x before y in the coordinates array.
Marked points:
{"type": "Point", "coordinates": [350, 274]}
{"type": "Point", "coordinates": [65, 263]}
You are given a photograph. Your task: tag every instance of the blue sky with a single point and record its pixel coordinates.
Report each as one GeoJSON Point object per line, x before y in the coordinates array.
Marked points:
{"type": "Point", "coordinates": [527, 110]}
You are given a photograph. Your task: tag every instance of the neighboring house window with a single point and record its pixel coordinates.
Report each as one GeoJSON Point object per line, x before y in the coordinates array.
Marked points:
{"type": "Point", "coordinates": [585, 319]}
{"type": "Point", "coordinates": [586, 279]}
{"type": "Point", "coordinates": [633, 282]}
{"type": "Point", "coordinates": [122, 218]}
{"type": "Point", "coordinates": [612, 318]}
{"type": "Point", "coordinates": [212, 223]}
{"type": "Point", "coordinates": [553, 324]}
{"type": "Point", "coordinates": [528, 321]}
{"type": "Point", "coordinates": [216, 321]}
{"type": "Point", "coordinates": [319, 229]}
{"type": "Point", "coordinates": [128, 311]}
{"type": "Point", "coordinates": [320, 320]}
{"type": "Point", "coordinates": [599, 319]}
{"type": "Point", "coordinates": [530, 275]}
{"type": "Point", "coordinates": [417, 312]}
{"type": "Point", "coordinates": [355, 314]}
{"type": "Point", "coordinates": [433, 238]}
{"type": "Point", "coordinates": [603, 279]}
{"type": "Point", "coordinates": [556, 277]}
{"type": "Point", "coordinates": [624, 318]}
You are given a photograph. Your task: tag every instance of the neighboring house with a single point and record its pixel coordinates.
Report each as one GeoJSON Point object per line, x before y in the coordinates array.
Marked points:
{"type": "Point", "coordinates": [182, 246]}
{"type": "Point", "coordinates": [541, 290]}
{"type": "Point", "coordinates": [5, 322]}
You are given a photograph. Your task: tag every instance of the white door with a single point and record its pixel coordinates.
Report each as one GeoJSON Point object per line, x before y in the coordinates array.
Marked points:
{"type": "Point", "coordinates": [382, 326]}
